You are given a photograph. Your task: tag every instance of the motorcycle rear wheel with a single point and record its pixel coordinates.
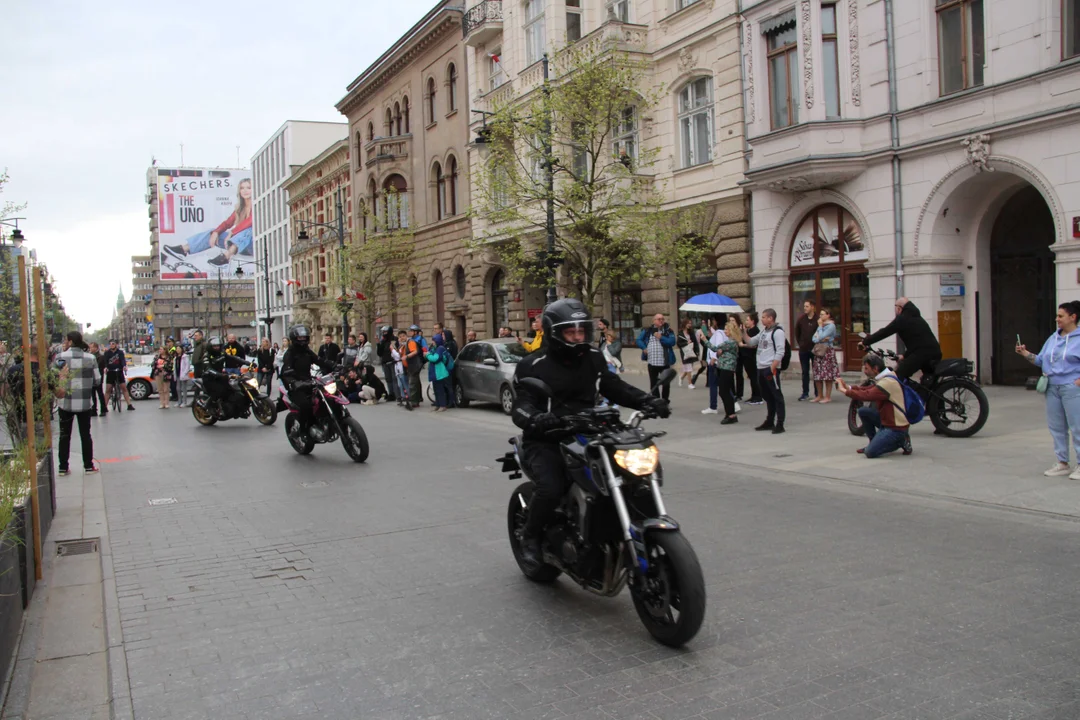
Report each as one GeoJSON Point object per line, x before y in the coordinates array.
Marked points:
{"type": "Point", "coordinates": [674, 583]}
{"type": "Point", "coordinates": [950, 413]}
{"type": "Point", "coordinates": [201, 414]}
{"type": "Point", "coordinates": [303, 446]}
{"type": "Point", "coordinates": [355, 440]}
{"type": "Point", "coordinates": [515, 521]}
{"type": "Point", "coordinates": [264, 411]}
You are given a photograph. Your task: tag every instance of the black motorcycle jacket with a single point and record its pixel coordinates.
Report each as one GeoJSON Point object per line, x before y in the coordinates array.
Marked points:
{"type": "Point", "coordinates": [912, 330]}
{"type": "Point", "coordinates": [296, 365]}
{"type": "Point", "coordinates": [574, 385]}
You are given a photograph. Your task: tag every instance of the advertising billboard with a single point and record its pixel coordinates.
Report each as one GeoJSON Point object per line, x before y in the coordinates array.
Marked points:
{"type": "Point", "coordinates": [204, 221]}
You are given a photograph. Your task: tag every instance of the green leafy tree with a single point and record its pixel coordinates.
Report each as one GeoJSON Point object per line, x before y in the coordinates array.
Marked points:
{"type": "Point", "coordinates": [609, 216]}
{"type": "Point", "coordinates": [10, 327]}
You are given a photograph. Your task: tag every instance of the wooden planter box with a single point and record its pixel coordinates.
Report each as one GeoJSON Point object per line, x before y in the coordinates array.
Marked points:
{"type": "Point", "coordinates": [11, 596]}
{"type": "Point", "coordinates": [20, 526]}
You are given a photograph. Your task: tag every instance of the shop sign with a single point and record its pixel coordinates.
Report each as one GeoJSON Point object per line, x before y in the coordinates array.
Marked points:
{"type": "Point", "coordinates": [951, 279]}
{"type": "Point", "coordinates": [830, 283]}
{"type": "Point", "coordinates": [535, 312]}
{"type": "Point", "coordinates": [803, 286]}
{"type": "Point", "coordinates": [952, 291]}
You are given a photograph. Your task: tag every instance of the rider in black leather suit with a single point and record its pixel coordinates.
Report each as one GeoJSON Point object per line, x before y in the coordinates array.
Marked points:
{"type": "Point", "coordinates": [214, 379]}
{"type": "Point", "coordinates": [574, 369]}
{"type": "Point", "coordinates": [296, 373]}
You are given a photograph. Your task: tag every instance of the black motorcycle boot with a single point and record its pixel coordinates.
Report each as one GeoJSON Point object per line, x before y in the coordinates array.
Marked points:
{"type": "Point", "coordinates": [531, 552]}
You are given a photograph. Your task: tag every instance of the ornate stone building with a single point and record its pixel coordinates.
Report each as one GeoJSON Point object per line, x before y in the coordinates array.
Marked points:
{"type": "Point", "coordinates": [313, 192]}
{"type": "Point", "coordinates": [692, 49]}
{"type": "Point", "coordinates": [920, 148]}
{"type": "Point", "coordinates": [408, 118]}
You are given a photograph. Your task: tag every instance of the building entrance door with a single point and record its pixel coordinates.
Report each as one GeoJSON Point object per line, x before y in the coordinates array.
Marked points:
{"type": "Point", "coordinates": [1022, 284]}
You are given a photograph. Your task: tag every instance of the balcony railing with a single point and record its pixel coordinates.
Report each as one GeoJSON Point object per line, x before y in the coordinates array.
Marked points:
{"type": "Point", "coordinates": [387, 149]}
{"type": "Point", "coordinates": [482, 22]}
{"type": "Point", "coordinates": [308, 294]}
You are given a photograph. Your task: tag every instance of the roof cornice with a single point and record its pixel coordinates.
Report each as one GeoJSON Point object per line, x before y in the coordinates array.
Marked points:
{"type": "Point", "coordinates": [417, 41]}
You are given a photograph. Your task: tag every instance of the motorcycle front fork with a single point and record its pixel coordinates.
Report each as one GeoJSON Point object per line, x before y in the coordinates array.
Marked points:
{"type": "Point", "coordinates": [632, 536]}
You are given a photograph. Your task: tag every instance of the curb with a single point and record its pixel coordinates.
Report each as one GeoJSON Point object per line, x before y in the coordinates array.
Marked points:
{"type": "Point", "coordinates": [121, 707]}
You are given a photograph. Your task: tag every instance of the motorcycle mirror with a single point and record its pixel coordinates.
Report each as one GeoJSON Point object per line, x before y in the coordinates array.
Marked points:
{"type": "Point", "coordinates": [538, 386]}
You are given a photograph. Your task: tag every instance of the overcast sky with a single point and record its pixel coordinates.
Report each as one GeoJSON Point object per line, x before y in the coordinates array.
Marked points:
{"type": "Point", "coordinates": [92, 91]}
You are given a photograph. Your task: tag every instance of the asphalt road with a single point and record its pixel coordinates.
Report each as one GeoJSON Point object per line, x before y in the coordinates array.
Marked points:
{"type": "Point", "coordinates": [280, 586]}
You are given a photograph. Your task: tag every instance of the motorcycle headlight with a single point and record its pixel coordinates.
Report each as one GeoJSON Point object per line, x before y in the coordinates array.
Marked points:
{"type": "Point", "coordinates": [639, 461]}
{"type": "Point", "coordinates": [331, 388]}
{"type": "Point", "coordinates": [252, 382]}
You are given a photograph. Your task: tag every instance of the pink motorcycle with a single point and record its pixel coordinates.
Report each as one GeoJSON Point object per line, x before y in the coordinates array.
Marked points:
{"type": "Point", "coordinates": [331, 420]}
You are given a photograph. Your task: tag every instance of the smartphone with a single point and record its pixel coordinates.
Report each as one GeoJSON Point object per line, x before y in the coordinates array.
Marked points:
{"type": "Point", "coordinates": [1018, 343]}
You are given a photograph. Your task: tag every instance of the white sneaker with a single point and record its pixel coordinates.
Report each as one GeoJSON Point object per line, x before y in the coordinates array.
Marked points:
{"type": "Point", "coordinates": [710, 411]}
{"type": "Point", "coordinates": [738, 407]}
{"type": "Point", "coordinates": [680, 382]}
{"type": "Point", "coordinates": [691, 387]}
{"type": "Point", "coordinates": [1075, 474]}
{"type": "Point", "coordinates": [1061, 469]}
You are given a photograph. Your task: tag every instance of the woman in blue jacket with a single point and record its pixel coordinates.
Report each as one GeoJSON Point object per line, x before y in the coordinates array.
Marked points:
{"type": "Point", "coordinates": [439, 372]}
{"type": "Point", "coordinates": [1059, 360]}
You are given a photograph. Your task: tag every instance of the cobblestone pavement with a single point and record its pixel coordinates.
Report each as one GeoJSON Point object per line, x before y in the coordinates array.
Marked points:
{"type": "Point", "coordinates": [280, 586]}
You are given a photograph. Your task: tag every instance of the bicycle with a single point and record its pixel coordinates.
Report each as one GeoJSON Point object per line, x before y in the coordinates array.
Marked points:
{"type": "Point", "coordinates": [116, 397]}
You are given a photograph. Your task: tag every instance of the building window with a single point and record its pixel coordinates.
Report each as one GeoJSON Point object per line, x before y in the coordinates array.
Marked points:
{"type": "Point", "coordinates": [961, 44]}
{"type": "Point", "coordinates": [451, 186]}
{"type": "Point", "coordinates": [431, 100]}
{"type": "Point", "coordinates": [783, 74]}
{"type": "Point", "coordinates": [1070, 25]}
{"type": "Point", "coordinates": [831, 61]}
{"type": "Point", "coordinates": [440, 191]}
{"type": "Point", "coordinates": [573, 20]}
{"type": "Point", "coordinates": [405, 112]}
{"type": "Point", "coordinates": [459, 281]}
{"type": "Point", "coordinates": [680, 4]}
{"type": "Point", "coordinates": [500, 301]}
{"type": "Point", "coordinates": [370, 131]}
{"type": "Point", "coordinates": [397, 202]}
{"type": "Point", "coordinates": [579, 152]}
{"type": "Point", "coordinates": [389, 123]}
{"type": "Point", "coordinates": [535, 35]}
{"type": "Point", "coordinates": [695, 122]}
{"type": "Point", "coordinates": [397, 118]}
{"type": "Point", "coordinates": [496, 77]}
{"type": "Point", "coordinates": [451, 81]}
{"type": "Point", "coordinates": [626, 137]}
{"type": "Point", "coordinates": [620, 10]}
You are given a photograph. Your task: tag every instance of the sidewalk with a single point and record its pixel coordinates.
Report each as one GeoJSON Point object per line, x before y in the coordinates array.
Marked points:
{"type": "Point", "coordinates": [1001, 465]}
{"type": "Point", "coordinates": [71, 661]}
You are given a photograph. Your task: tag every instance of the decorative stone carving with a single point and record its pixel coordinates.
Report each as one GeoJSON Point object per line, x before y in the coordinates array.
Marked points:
{"type": "Point", "coordinates": [808, 58]}
{"type": "Point", "coordinates": [978, 152]}
{"type": "Point", "coordinates": [687, 60]}
{"type": "Point", "coordinates": [853, 51]}
{"type": "Point", "coordinates": [748, 51]}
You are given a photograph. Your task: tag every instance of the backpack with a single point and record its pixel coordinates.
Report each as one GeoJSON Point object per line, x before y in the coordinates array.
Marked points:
{"type": "Point", "coordinates": [785, 362]}
{"type": "Point", "coordinates": [421, 356]}
{"type": "Point", "coordinates": [914, 407]}
{"type": "Point", "coordinates": [448, 359]}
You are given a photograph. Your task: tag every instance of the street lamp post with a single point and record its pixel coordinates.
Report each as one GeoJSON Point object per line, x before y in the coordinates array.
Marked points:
{"type": "Point", "coordinates": [265, 267]}
{"type": "Point", "coordinates": [339, 230]}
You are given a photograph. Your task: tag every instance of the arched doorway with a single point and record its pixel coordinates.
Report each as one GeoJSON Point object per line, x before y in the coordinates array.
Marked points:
{"type": "Point", "coordinates": [1022, 283]}
{"type": "Point", "coordinates": [828, 265]}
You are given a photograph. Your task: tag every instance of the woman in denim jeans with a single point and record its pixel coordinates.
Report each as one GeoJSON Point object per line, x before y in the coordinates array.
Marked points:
{"type": "Point", "coordinates": [1059, 360]}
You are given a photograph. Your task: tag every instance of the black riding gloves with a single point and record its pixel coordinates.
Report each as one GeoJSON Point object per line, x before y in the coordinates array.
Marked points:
{"type": "Point", "coordinates": [658, 406]}
{"type": "Point", "coordinates": [546, 421]}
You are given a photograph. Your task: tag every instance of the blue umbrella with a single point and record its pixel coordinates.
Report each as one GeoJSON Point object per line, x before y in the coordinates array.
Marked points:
{"type": "Point", "coordinates": [711, 303]}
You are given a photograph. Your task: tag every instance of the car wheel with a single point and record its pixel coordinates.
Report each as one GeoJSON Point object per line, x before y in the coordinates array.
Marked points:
{"type": "Point", "coordinates": [459, 396]}
{"type": "Point", "coordinates": [506, 399]}
{"type": "Point", "coordinates": [139, 389]}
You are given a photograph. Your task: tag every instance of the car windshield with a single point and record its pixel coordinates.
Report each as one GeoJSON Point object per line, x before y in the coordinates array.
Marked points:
{"type": "Point", "coordinates": [511, 352]}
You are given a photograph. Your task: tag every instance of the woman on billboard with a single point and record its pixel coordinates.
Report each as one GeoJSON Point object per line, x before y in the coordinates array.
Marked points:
{"type": "Point", "coordinates": [233, 235]}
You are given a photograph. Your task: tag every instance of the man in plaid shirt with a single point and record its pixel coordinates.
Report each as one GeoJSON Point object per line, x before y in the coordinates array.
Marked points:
{"type": "Point", "coordinates": [78, 375]}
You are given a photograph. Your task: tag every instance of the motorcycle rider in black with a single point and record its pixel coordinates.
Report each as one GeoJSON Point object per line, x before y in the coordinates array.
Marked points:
{"type": "Point", "coordinates": [214, 378]}
{"type": "Point", "coordinates": [574, 369]}
{"type": "Point", "coordinates": [296, 373]}
{"type": "Point", "coordinates": [921, 348]}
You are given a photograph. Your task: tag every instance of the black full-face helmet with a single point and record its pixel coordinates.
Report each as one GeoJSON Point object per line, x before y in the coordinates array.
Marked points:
{"type": "Point", "coordinates": [214, 343]}
{"type": "Point", "coordinates": [300, 335]}
{"type": "Point", "coordinates": [386, 331]}
{"type": "Point", "coordinates": [561, 316]}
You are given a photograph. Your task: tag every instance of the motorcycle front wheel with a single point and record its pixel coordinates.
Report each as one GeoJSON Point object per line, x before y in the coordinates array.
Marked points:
{"type": "Point", "coordinates": [515, 519]}
{"type": "Point", "coordinates": [958, 408]}
{"type": "Point", "coordinates": [670, 600]}
{"type": "Point", "coordinates": [355, 440]}
{"type": "Point", "coordinates": [302, 445]}
{"type": "Point", "coordinates": [264, 411]}
{"type": "Point", "coordinates": [854, 422]}
{"type": "Point", "coordinates": [201, 414]}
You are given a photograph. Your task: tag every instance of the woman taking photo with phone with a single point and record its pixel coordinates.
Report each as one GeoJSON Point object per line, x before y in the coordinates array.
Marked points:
{"type": "Point", "coordinates": [1059, 361]}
